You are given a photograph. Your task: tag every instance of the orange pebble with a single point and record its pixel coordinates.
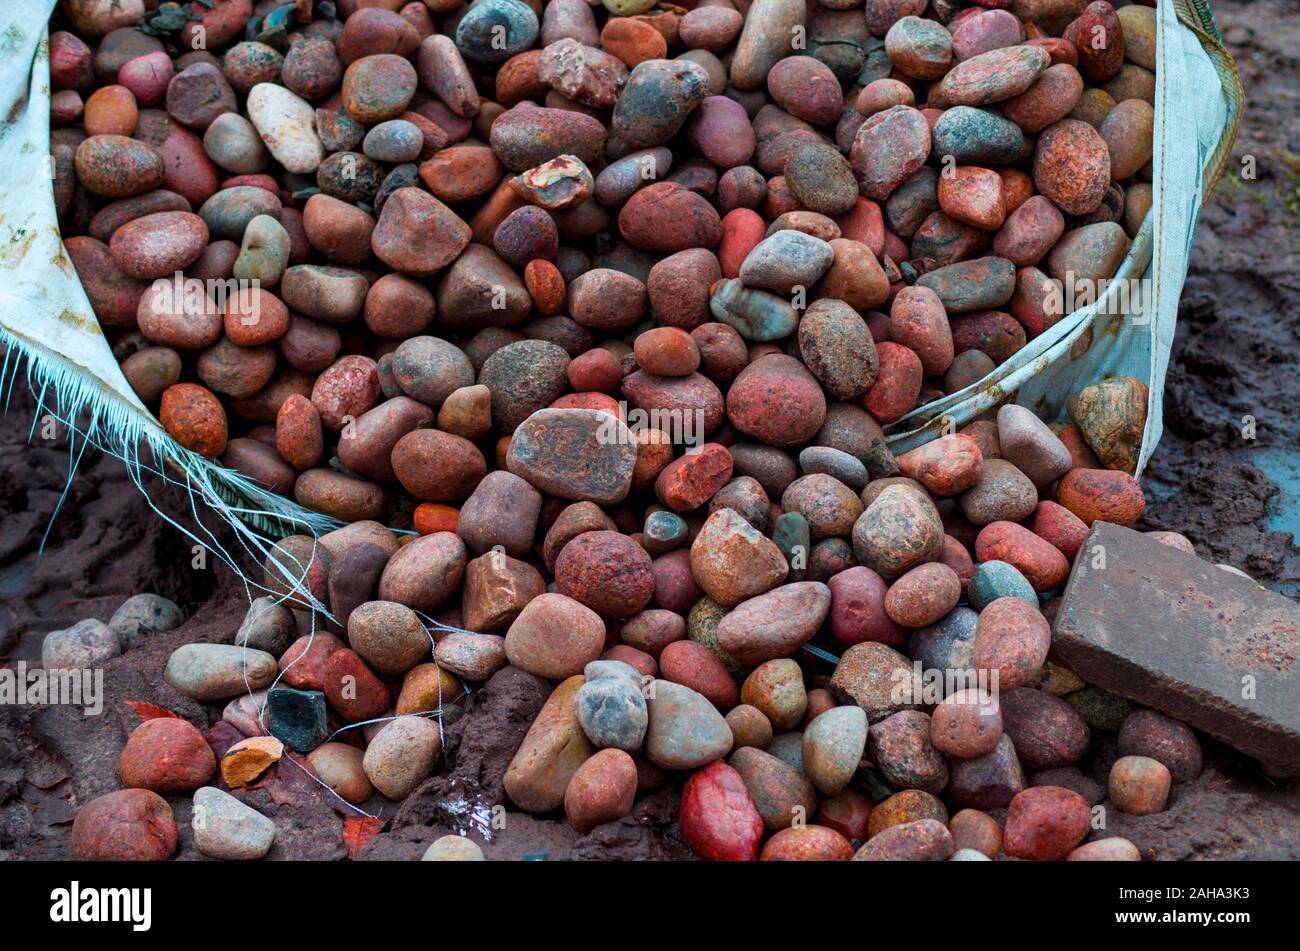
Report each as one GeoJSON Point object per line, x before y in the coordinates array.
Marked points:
{"type": "Point", "coordinates": [431, 517]}
{"type": "Point", "coordinates": [1017, 188]}
{"type": "Point", "coordinates": [664, 21]}
{"type": "Point", "coordinates": [545, 285]}
{"type": "Point", "coordinates": [194, 418]}
{"type": "Point", "coordinates": [111, 111]}
{"type": "Point", "coordinates": [1081, 454]}
{"type": "Point", "coordinates": [518, 78]}
{"type": "Point", "coordinates": [632, 41]}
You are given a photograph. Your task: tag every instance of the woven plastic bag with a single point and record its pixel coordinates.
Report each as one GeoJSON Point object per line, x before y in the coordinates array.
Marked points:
{"type": "Point", "coordinates": [1198, 109]}
{"type": "Point", "coordinates": [46, 317]}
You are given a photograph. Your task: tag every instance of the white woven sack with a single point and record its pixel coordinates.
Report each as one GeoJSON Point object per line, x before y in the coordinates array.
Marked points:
{"type": "Point", "coordinates": [1198, 105]}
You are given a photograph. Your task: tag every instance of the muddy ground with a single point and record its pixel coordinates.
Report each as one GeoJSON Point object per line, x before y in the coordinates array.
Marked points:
{"type": "Point", "coordinates": [1236, 354]}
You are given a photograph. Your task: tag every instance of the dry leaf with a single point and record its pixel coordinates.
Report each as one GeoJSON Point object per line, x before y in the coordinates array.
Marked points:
{"type": "Point", "coordinates": [151, 711]}
{"type": "Point", "coordinates": [357, 831]}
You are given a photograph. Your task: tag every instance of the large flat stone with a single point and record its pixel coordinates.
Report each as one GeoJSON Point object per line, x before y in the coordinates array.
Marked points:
{"type": "Point", "coordinates": [1178, 634]}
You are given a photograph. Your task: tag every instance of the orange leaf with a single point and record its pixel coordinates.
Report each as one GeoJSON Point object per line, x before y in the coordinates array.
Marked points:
{"type": "Point", "coordinates": [357, 831]}
{"type": "Point", "coordinates": [150, 711]}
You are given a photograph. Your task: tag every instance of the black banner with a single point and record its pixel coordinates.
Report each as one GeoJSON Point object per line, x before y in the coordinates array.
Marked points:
{"type": "Point", "coordinates": [324, 901]}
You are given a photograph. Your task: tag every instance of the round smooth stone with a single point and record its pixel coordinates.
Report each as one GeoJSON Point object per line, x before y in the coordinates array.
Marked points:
{"type": "Point", "coordinates": [218, 671]}
{"type": "Point", "coordinates": [555, 636]}
{"type": "Point", "coordinates": [402, 755]}
{"type": "Point", "coordinates": [1012, 637]}
{"type": "Point", "coordinates": [129, 825]}
{"type": "Point", "coordinates": [495, 30]}
{"type": "Point", "coordinates": [1045, 823]}
{"type": "Point", "coordinates": [396, 141]}
{"type": "Point", "coordinates": [717, 816]}
{"type": "Point", "coordinates": [924, 840]}
{"type": "Point", "coordinates": [160, 244]}
{"type": "Point", "coordinates": [1139, 785]}
{"type": "Point", "coordinates": [832, 747]}
{"type": "Point", "coordinates": [686, 731]}
{"type": "Point", "coordinates": [612, 711]}
{"type": "Point", "coordinates": [144, 614]}
{"type": "Point", "coordinates": [1072, 166]}
{"type": "Point", "coordinates": [233, 143]}
{"type": "Point", "coordinates": [1169, 741]}
{"type": "Point", "coordinates": [453, 848]}
{"type": "Point", "coordinates": [1047, 732]}
{"type": "Point", "coordinates": [1000, 493]}
{"type": "Point", "coordinates": [225, 828]}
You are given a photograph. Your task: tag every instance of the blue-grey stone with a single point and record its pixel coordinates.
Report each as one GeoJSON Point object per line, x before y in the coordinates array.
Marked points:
{"type": "Point", "coordinates": [786, 260]}
{"type": "Point", "coordinates": [144, 614]}
{"type": "Point", "coordinates": [947, 646]}
{"type": "Point", "coordinates": [836, 463]}
{"type": "Point", "coordinates": [665, 531]}
{"type": "Point", "coordinates": [976, 137]}
{"type": "Point", "coordinates": [492, 31]}
{"type": "Point", "coordinates": [612, 712]}
{"type": "Point", "coordinates": [794, 537]}
{"type": "Point", "coordinates": [225, 828]}
{"type": "Point", "coordinates": [998, 579]}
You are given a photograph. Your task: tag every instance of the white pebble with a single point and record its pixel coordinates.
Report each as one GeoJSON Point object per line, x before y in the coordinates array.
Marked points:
{"type": "Point", "coordinates": [287, 125]}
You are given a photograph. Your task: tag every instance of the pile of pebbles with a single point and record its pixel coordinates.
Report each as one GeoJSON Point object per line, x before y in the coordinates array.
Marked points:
{"type": "Point", "coordinates": [405, 228]}
{"type": "Point", "coordinates": [484, 244]}
{"type": "Point", "coordinates": [928, 720]}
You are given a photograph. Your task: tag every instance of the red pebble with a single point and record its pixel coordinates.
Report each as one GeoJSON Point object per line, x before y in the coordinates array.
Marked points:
{"type": "Point", "coordinates": [945, 466]}
{"type": "Point", "coordinates": [602, 790]}
{"type": "Point", "coordinates": [693, 665]}
{"type": "Point", "coordinates": [1058, 525]}
{"type": "Point", "coordinates": [167, 755]}
{"type": "Point", "coordinates": [545, 285]}
{"type": "Point", "coordinates": [1038, 560]}
{"type": "Point", "coordinates": [1045, 823]}
{"type": "Point", "coordinates": [130, 825]}
{"type": "Point", "coordinates": [596, 370]}
{"type": "Point", "coordinates": [807, 843]}
{"type": "Point", "coordinates": [633, 657]}
{"type": "Point", "coordinates": [675, 587]}
{"type": "Point", "coordinates": [352, 688]}
{"type": "Point", "coordinates": [303, 664]}
{"type": "Point", "coordinates": [742, 230]}
{"type": "Point", "coordinates": [692, 480]}
{"type": "Point", "coordinates": [607, 571]}
{"type": "Point", "coordinates": [864, 223]}
{"type": "Point", "coordinates": [897, 385]}
{"type": "Point", "coordinates": [848, 814]}
{"type": "Point", "coordinates": [596, 401]}
{"type": "Point", "coordinates": [147, 77]}
{"type": "Point", "coordinates": [1106, 495]}
{"type": "Point", "coordinates": [858, 609]}
{"type": "Point", "coordinates": [717, 818]}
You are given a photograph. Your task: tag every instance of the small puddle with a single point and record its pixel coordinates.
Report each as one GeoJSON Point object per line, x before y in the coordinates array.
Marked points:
{"type": "Point", "coordinates": [1282, 466]}
{"type": "Point", "coordinates": [469, 815]}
